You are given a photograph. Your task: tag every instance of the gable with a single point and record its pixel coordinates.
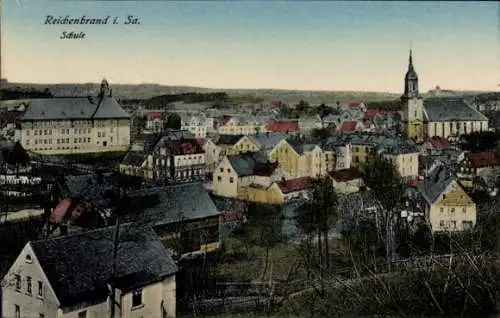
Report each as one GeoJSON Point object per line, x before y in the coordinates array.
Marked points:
{"type": "Point", "coordinates": [283, 146]}
{"type": "Point", "coordinates": [245, 143]}
{"type": "Point", "coordinates": [27, 264]}
{"type": "Point", "coordinates": [454, 194]}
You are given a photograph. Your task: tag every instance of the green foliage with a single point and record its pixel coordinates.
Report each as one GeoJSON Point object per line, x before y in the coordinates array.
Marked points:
{"type": "Point", "coordinates": [173, 122]}
{"type": "Point", "coordinates": [321, 212]}
{"type": "Point", "coordinates": [481, 141]}
{"type": "Point", "coordinates": [323, 110]}
{"type": "Point", "coordinates": [388, 105]}
{"type": "Point", "coordinates": [302, 106]}
{"type": "Point", "coordinates": [461, 289]}
{"type": "Point", "coordinates": [17, 234]}
{"type": "Point", "coordinates": [382, 177]}
{"type": "Point", "coordinates": [161, 101]}
{"type": "Point", "coordinates": [263, 227]}
{"type": "Point", "coordinates": [322, 133]}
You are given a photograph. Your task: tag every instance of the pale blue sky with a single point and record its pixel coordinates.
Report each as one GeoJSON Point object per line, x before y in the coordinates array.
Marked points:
{"type": "Point", "coordinates": [325, 45]}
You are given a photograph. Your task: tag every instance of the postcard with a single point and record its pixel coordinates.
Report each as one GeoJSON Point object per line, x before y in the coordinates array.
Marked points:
{"type": "Point", "coordinates": [249, 158]}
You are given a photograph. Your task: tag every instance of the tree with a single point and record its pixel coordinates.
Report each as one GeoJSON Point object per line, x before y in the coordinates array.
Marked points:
{"type": "Point", "coordinates": [302, 106]}
{"type": "Point", "coordinates": [173, 122]}
{"type": "Point", "coordinates": [382, 177]}
{"type": "Point", "coordinates": [318, 216]}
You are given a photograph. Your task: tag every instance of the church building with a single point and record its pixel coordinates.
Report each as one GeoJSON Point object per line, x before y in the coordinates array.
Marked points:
{"type": "Point", "coordinates": [438, 116]}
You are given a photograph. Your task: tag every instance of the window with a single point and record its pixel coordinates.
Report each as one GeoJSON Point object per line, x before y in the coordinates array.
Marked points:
{"type": "Point", "coordinates": [219, 178]}
{"type": "Point", "coordinates": [464, 210]}
{"type": "Point", "coordinates": [136, 298]}
{"type": "Point", "coordinates": [28, 259]}
{"type": "Point", "coordinates": [41, 316]}
{"type": "Point", "coordinates": [452, 210]}
{"type": "Point", "coordinates": [231, 180]}
{"type": "Point", "coordinates": [82, 314]}
{"type": "Point", "coordinates": [17, 310]}
{"type": "Point", "coordinates": [221, 169]}
{"type": "Point", "coordinates": [467, 225]}
{"type": "Point", "coordinates": [18, 281]}
{"type": "Point", "coordinates": [40, 289]}
{"type": "Point", "coordinates": [441, 210]}
{"type": "Point", "coordinates": [28, 285]}
{"type": "Point", "coordinates": [453, 224]}
{"type": "Point", "coordinates": [441, 223]}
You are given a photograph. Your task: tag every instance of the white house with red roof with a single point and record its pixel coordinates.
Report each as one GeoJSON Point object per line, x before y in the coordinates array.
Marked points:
{"type": "Point", "coordinates": [154, 121]}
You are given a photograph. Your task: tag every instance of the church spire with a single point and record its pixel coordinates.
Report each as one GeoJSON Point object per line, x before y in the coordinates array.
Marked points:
{"type": "Point", "coordinates": [410, 62]}
{"type": "Point", "coordinates": [411, 79]}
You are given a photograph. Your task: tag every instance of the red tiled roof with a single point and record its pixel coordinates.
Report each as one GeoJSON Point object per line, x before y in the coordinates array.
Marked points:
{"type": "Point", "coordinates": [439, 143]}
{"type": "Point", "coordinates": [201, 141]}
{"type": "Point", "coordinates": [349, 125]}
{"type": "Point", "coordinates": [184, 147]}
{"type": "Point", "coordinates": [158, 115]}
{"type": "Point", "coordinates": [231, 217]}
{"type": "Point", "coordinates": [483, 159]}
{"type": "Point", "coordinates": [282, 126]}
{"type": "Point", "coordinates": [372, 113]}
{"type": "Point", "coordinates": [345, 174]}
{"type": "Point", "coordinates": [415, 183]}
{"type": "Point", "coordinates": [69, 209]}
{"type": "Point", "coordinates": [293, 185]}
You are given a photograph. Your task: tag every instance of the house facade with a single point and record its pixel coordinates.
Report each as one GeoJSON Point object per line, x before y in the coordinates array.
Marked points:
{"type": "Point", "coordinates": [196, 124]}
{"type": "Point", "coordinates": [75, 125]}
{"type": "Point", "coordinates": [178, 160]}
{"type": "Point", "coordinates": [448, 208]}
{"type": "Point", "coordinates": [301, 160]}
{"type": "Point", "coordinates": [41, 282]}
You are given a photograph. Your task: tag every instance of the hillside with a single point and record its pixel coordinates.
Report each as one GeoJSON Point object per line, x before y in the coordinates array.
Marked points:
{"type": "Point", "coordinates": [145, 91]}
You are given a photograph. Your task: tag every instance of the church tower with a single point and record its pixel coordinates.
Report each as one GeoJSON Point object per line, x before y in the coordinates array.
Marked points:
{"type": "Point", "coordinates": [413, 105]}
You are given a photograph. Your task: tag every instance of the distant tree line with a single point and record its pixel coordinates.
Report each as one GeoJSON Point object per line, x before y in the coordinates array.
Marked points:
{"type": "Point", "coordinates": [387, 105]}
{"type": "Point", "coordinates": [22, 93]}
{"type": "Point", "coordinates": [162, 100]}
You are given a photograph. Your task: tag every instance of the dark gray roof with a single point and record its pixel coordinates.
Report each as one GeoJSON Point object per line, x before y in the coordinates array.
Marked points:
{"type": "Point", "coordinates": [74, 108]}
{"type": "Point", "coordinates": [244, 164]}
{"type": "Point", "coordinates": [91, 187]}
{"type": "Point", "coordinates": [178, 134]}
{"type": "Point", "coordinates": [79, 266]}
{"type": "Point", "coordinates": [170, 204]}
{"type": "Point", "coordinates": [227, 139]}
{"type": "Point", "coordinates": [268, 140]}
{"type": "Point", "coordinates": [450, 109]}
{"type": "Point", "coordinates": [134, 158]}
{"type": "Point", "coordinates": [435, 183]}
{"type": "Point", "coordinates": [299, 146]}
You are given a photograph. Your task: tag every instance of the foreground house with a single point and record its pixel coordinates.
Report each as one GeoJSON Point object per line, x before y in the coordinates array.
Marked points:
{"type": "Point", "coordinates": [75, 125]}
{"type": "Point", "coordinates": [72, 275]}
{"type": "Point", "coordinates": [184, 216]}
{"type": "Point", "coordinates": [447, 206]}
